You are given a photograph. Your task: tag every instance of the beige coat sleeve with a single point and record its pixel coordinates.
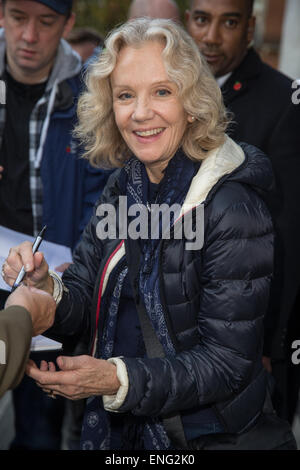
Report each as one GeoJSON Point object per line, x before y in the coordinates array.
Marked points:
{"type": "Point", "coordinates": [15, 339]}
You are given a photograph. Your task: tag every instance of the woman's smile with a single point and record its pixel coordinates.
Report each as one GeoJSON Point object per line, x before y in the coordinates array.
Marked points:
{"type": "Point", "coordinates": [148, 109]}
{"type": "Point", "coordinates": [149, 136]}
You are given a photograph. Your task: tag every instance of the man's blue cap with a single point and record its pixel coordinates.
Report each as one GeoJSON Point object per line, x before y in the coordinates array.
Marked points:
{"type": "Point", "coordinates": [60, 6]}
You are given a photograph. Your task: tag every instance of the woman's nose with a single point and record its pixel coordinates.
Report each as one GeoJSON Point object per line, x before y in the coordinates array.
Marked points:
{"type": "Point", "coordinates": [143, 110]}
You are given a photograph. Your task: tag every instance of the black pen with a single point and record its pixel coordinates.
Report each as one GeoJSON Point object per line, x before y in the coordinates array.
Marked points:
{"type": "Point", "coordinates": [35, 248]}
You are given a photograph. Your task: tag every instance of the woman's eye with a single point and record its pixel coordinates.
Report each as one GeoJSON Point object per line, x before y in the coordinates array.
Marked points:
{"type": "Point", "coordinates": [163, 92]}
{"type": "Point", "coordinates": [125, 96]}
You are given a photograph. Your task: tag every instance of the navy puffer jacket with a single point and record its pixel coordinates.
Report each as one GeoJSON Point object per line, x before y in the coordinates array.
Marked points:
{"type": "Point", "coordinates": [214, 299]}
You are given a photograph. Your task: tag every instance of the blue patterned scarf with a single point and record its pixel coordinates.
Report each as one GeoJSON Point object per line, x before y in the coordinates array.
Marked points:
{"type": "Point", "coordinates": [134, 183]}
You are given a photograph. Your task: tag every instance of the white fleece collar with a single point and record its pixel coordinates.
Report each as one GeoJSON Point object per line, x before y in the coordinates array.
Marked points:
{"type": "Point", "coordinates": [219, 162]}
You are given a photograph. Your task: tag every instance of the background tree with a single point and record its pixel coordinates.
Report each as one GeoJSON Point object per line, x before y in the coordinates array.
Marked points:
{"type": "Point", "coordinates": [104, 15]}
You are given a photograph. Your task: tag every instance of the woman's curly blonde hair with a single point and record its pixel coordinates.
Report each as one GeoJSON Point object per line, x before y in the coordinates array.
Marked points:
{"type": "Point", "coordinates": [197, 88]}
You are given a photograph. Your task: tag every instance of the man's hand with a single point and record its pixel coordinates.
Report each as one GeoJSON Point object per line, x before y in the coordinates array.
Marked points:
{"type": "Point", "coordinates": [1, 167]}
{"type": "Point", "coordinates": [35, 265]}
{"type": "Point", "coordinates": [39, 304]}
{"type": "Point", "coordinates": [79, 377]}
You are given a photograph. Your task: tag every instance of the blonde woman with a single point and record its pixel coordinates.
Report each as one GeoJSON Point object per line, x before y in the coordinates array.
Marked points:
{"type": "Point", "coordinates": [153, 109]}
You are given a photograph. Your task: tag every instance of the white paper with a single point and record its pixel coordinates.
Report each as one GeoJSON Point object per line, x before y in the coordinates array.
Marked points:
{"type": "Point", "coordinates": [41, 343]}
{"type": "Point", "coordinates": [55, 255]}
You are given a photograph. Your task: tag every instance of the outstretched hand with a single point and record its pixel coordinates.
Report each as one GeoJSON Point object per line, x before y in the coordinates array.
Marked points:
{"type": "Point", "coordinates": [78, 377]}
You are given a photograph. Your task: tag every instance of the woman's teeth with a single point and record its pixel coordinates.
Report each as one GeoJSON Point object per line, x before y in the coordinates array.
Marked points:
{"type": "Point", "coordinates": [150, 132]}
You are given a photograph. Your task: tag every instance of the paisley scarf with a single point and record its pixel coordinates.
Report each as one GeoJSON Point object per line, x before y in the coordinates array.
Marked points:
{"type": "Point", "coordinates": [172, 189]}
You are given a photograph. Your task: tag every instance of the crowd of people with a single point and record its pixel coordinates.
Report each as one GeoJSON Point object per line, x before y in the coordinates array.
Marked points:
{"type": "Point", "coordinates": [187, 117]}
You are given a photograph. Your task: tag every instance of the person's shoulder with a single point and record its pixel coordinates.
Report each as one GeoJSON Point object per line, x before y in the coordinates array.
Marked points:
{"type": "Point", "coordinates": [76, 83]}
{"type": "Point", "coordinates": [239, 196]}
{"type": "Point", "coordinates": [258, 74]}
{"type": "Point", "coordinates": [270, 77]}
{"type": "Point", "coordinates": [230, 195]}
{"type": "Point", "coordinates": [266, 91]}
{"type": "Point", "coordinates": [111, 191]}
{"type": "Point", "coordinates": [238, 211]}
{"type": "Point", "coordinates": [276, 76]}
{"type": "Point", "coordinates": [68, 67]}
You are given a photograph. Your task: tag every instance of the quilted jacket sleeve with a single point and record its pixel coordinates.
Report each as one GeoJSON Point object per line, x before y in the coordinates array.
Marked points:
{"type": "Point", "coordinates": [73, 313]}
{"type": "Point", "coordinates": [234, 281]}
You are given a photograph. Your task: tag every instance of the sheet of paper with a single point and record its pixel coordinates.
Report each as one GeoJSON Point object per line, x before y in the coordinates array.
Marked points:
{"type": "Point", "coordinates": [41, 343]}
{"type": "Point", "coordinates": [54, 254]}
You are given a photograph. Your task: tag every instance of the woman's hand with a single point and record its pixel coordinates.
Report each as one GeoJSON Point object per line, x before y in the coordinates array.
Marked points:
{"type": "Point", "coordinates": [79, 377]}
{"type": "Point", "coordinates": [35, 266]}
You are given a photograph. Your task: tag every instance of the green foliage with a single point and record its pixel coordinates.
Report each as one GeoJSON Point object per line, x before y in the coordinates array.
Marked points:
{"type": "Point", "coordinates": [183, 5]}
{"type": "Point", "coordinates": [103, 15]}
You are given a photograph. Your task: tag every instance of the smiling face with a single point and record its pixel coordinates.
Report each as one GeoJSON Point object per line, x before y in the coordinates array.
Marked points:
{"type": "Point", "coordinates": [148, 111]}
{"type": "Point", "coordinates": [222, 30]}
{"type": "Point", "coordinates": [33, 32]}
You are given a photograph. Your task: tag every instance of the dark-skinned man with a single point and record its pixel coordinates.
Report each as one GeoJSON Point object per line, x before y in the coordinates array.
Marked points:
{"type": "Point", "coordinates": [264, 115]}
